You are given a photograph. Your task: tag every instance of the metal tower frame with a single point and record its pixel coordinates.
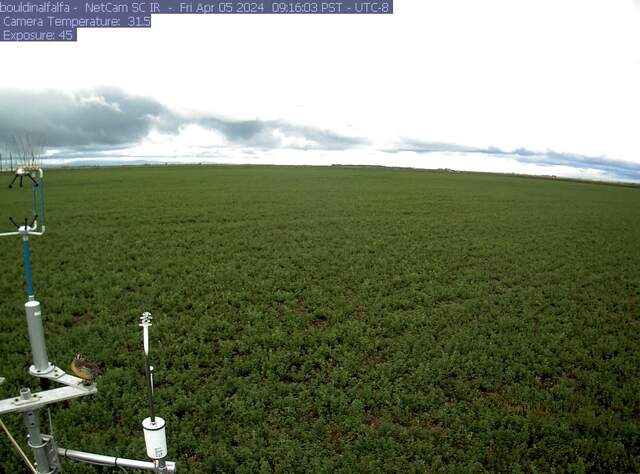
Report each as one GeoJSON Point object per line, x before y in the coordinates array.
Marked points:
{"type": "Point", "coordinates": [45, 449]}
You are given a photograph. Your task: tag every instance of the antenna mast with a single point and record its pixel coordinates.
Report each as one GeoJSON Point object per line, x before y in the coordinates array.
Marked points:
{"type": "Point", "coordinates": [154, 427]}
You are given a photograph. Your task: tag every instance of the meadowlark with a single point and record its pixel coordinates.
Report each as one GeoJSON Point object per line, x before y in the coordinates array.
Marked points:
{"type": "Point", "coordinates": [86, 370]}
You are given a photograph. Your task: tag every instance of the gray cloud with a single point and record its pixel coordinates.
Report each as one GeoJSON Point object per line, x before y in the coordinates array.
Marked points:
{"type": "Point", "coordinates": [418, 146]}
{"type": "Point", "coordinates": [105, 120]}
{"type": "Point", "coordinates": [260, 133]}
{"type": "Point", "coordinates": [620, 169]}
{"type": "Point", "coordinates": [55, 119]}
{"type": "Point", "coordinates": [109, 117]}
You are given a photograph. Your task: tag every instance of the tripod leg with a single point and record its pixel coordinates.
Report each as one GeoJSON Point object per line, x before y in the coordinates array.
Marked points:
{"type": "Point", "coordinates": [13, 181]}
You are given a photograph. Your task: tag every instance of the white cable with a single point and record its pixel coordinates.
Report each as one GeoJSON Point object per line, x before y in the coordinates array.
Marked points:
{"type": "Point", "coordinates": [18, 448]}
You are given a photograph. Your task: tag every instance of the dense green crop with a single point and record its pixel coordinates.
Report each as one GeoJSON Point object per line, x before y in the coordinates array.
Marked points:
{"type": "Point", "coordinates": [339, 320]}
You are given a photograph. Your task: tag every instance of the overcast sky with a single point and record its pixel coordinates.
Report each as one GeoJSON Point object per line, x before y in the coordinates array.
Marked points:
{"type": "Point", "coordinates": [533, 86]}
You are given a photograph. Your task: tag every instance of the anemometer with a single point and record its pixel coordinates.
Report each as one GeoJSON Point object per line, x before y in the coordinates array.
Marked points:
{"type": "Point", "coordinates": [45, 450]}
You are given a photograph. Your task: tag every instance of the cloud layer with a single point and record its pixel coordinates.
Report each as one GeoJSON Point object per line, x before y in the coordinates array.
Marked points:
{"type": "Point", "coordinates": [109, 117]}
{"type": "Point", "coordinates": [109, 123]}
{"type": "Point", "coordinates": [619, 169]}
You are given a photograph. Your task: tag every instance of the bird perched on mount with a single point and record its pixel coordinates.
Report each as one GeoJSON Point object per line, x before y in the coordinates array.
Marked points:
{"type": "Point", "coordinates": [85, 369]}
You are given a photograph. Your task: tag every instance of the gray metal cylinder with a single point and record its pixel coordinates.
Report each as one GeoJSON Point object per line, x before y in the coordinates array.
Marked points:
{"type": "Point", "coordinates": [36, 443]}
{"type": "Point", "coordinates": [168, 467]}
{"type": "Point", "coordinates": [36, 337]}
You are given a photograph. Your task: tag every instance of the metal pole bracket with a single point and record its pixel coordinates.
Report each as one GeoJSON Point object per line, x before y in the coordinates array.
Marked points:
{"type": "Point", "coordinates": [56, 374]}
{"type": "Point", "coordinates": [41, 399]}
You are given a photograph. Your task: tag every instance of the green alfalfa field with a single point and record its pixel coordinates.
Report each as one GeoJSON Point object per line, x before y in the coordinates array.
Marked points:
{"type": "Point", "coordinates": [337, 319]}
